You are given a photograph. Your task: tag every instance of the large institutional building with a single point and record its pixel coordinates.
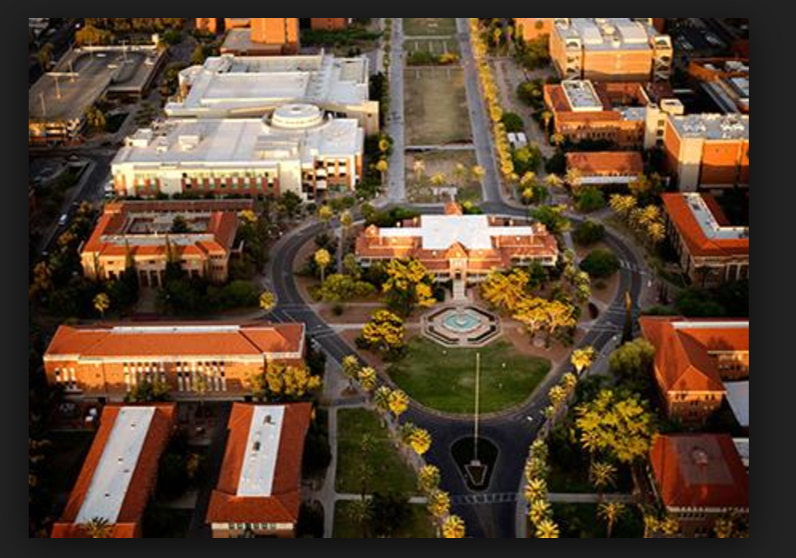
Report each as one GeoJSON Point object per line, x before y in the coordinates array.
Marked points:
{"type": "Point", "coordinates": [712, 251]}
{"type": "Point", "coordinates": [629, 115]}
{"type": "Point", "coordinates": [297, 149]}
{"type": "Point", "coordinates": [697, 362]}
{"type": "Point", "coordinates": [258, 490]}
{"type": "Point", "coordinates": [263, 37]}
{"type": "Point", "coordinates": [708, 151]}
{"type": "Point", "coordinates": [601, 168]}
{"type": "Point", "coordinates": [246, 87]}
{"type": "Point", "coordinates": [106, 362]}
{"type": "Point", "coordinates": [119, 473]}
{"type": "Point", "coordinates": [533, 28]}
{"type": "Point", "coordinates": [143, 234]}
{"type": "Point", "coordinates": [457, 246]}
{"type": "Point", "coordinates": [699, 478]}
{"type": "Point", "coordinates": [610, 49]}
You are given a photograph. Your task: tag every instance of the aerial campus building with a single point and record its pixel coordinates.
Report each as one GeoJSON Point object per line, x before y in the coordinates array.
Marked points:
{"type": "Point", "coordinates": [106, 362]}
{"type": "Point", "coordinates": [457, 246]}
{"type": "Point", "coordinates": [58, 101]}
{"type": "Point", "coordinates": [120, 472]}
{"type": "Point", "coordinates": [245, 87]}
{"type": "Point", "coordinates": [258, 491]}
{"type": "Point", "coordinates": [297, 148]}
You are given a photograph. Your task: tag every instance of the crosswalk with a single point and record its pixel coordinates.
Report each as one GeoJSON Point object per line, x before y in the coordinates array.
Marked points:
{"type": "Point", "coordinates": [484, 499]}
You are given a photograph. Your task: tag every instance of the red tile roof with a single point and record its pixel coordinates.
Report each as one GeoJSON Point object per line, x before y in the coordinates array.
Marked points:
{"type": "Point", "coordinates": [176, 339]}
{"type": "Point", "coordinates": [283, 506]}
{"type": "Point", "coordinates": [699, 471]}
{"type": "Point", "coordinates": [699, 245]}
{"type": "Point", "coordinates": [141, 485]}
{"type": "Point", "coordinates": [682, 359]}
{"type": "Point", "coordinates": [617, 163]}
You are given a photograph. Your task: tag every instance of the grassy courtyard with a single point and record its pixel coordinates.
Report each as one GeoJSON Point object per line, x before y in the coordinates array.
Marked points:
{"type": "Point", "coordinates": [432, 46]}
{"type": "Point", "coordinates": [582, 521]}
{"type": "Point", "coordinates": [429, 26]}
{"type": "Point", "coordinates": [436, 106]}
{"type": "Point", "coordinates": [444, 379]}
{"type": "Point", "coordinates": [419, 188]}
{"type": "Point", "coordinates": [419, 525]}
{"type": "Point", "coordinates": [387, 471]}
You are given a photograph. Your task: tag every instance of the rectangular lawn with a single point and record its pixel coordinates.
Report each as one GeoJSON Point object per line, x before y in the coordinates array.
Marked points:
{"type": "Point", "coordinates": [429, 26]}
{"type": "Point", "coordinates": [388, 471]}
{"type": "Point", "coordinates": [419, 187]}
{"type": "Point", "coordinates": [436, 106]}
{"type": "Point", "coordinates": [444, 379]}
{"type": "Point", "coordinates": [419, 526]}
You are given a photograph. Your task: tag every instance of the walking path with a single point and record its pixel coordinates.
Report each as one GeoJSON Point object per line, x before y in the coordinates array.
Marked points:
{"type": "Point", "coordinates": [396, 174]}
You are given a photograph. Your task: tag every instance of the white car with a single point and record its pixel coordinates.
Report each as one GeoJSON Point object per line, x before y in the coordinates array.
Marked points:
{"type": "Point", "coordinates": [64, 219]}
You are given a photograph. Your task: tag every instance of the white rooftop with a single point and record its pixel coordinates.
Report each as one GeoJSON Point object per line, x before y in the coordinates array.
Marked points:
{"type": "Point", "coordinates": [608, 33]}
{"type": "Point", "coordinates": [738, 397]}
{"type": "Point", "coordinates": [115, 470]}
{"type": "Point", "coordinates": [712, 126]}
{"type": "Point", "coordinates": [254, 142]}
{"type": "Point", "coordinates": [262, 449]}
{"type": "Point", "coordinates": [708, 223]}
{"type": "Point", "coordinates": [581, 95]}
{"type": "Point", "coordinates": [440, 232]}
{"type": "Point", "coordinates": [229, 83]}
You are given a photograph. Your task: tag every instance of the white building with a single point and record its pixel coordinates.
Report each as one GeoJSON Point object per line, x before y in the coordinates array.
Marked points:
{"type": "Point", "coordinates": [241, 87]}
{"type": "Point", "coordinates": [297, 149]}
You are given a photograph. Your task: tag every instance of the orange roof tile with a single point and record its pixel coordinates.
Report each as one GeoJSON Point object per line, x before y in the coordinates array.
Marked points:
{"type": "Point", "coordinates": [699, 471]}
{"type": "Point", "coordinates": [625, 163]}
{"type": "Point", "coordinates": [283, 505]}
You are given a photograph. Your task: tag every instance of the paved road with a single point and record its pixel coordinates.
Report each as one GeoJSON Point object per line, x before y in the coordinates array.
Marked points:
{"type": "Point", "coordinates": [396, 176]}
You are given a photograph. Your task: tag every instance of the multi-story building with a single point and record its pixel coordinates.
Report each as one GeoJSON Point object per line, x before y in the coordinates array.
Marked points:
{"type": "Point", "coordinates": [457, 246]}
{"type": "Point", "coordinates": [264, 36]}
{"type": "Point", "coordinates": [610, 49]}
{"type": "Point", "coordinates": [120, 472]}
{"type": "Point", "coordinates": [629, 115]}
{"type": "Point", "coordinates": [329, 23]}
{"type": "Point", "coordinates": [148, 235]}
{"type": "Point", "coordinates": [533, 28]}
{"type": "Point", "coordinates": [605, 168]}
{"type": "Point", "coordinates": [217, 360]}
{"type": "Point", "coordinates": [707, 151]}
{"type": "Point", "coordinates": [711, 250]}
{"type": "Point", "coordinates": [725, 80]}
{"type": "Point", "coordinates": [247, 87]}
{"type": "Point", "coordinates": [694, 359]}
{"type": "Point", "coordinates": [258, 490]}
{"type": "Point", "coordinates": [699, 479]}
{"type": "Point", "coordinates": [207, 24]}
{"type": "Point", "coordinates": [298, 148]}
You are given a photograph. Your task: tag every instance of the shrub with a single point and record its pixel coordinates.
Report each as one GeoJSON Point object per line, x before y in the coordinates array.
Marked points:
{"type": "Point", "coordinates": [590, 200]}
{"type": "Point", "coordinates": [589, 233]}
{"type": "Point", "coordinates": [513, 122]}
{"type": "Point", "coordinates": [600, 264]}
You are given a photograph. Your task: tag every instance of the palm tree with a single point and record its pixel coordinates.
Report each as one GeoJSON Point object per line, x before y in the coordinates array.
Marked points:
{"type": "Point", "coordinates": [383, 166]}
{"type": "Point", "coordinates": [428, 479]}
{"type": "Point", "coordinates": [558, 140]}
{"type": "Point", "coordinates": [418, 439]}
{"type": "Point", "coordinates": [554, 181]}
{"type": "Point", "coordinates": [420, 168]}
{"type": "Point", "coordinates": [602, 476]}
{"type": "Point", "coordinates": [381, 400]}
{"type": "Point", "coordinates": [453, 528]}
{"type": "Point", "coordinates": [325, 214]}
{"type": "Point", "coordinates": [439, 504]}
{"type": "Point", "coordinates": [360, 512]}
{"type": "Point", "coordinates": [351, 370]}
{"type": "Point", "coordinates": [547, 117]}
{"type": "Point", "coordinates": [479, 173]}
{"type": "Point", "coordinates": [547, 529]}
{"type": "Point", "coordinates": [322, 259]}
{"type": "Point", "coordinates": [583, 359]}
{"type": "Point", "coordinates": [438, 179]}
{"type": "Point", "coordinates": [102, 303]}
{"type": "Point", "coordinates": [368, 379]}
{"type": "Point", "coordinates": [536, 489]}
{"type": "Point", "coordinates": [398, 403]}
{"type": "Point", "coordinates": [98, 528]}
{"type": "Point", "coordinates": [611, 512]}
{"type": "Point", "coordinates": [540, 510]}
{"type": "Point", "coordinates": [267, 302]}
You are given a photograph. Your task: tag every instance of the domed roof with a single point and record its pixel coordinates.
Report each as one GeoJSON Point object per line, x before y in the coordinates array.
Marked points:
{"type": "Point", "coordinates": [297, 116]}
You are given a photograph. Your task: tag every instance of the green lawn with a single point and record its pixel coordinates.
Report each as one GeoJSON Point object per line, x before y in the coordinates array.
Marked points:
{"type": "Point", "coordinates": [445, 162]}
{"type": "Point", "coordinates": [429, 26]}
{"type": "Point", "coordinates": [420, 526]}
{"type": "Point", "coordinates": [444, 379]}
{"type": "Point", "coordinates": [436, 106]}
{"type": "Point", "coordinates": [582, 521]}
{"type": "Point", "coordinates": [388, 471]}
{"type": "Point", "coordinates": [433, 46]}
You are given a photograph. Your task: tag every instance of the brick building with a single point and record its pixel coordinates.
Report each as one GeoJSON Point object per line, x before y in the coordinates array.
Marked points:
{"type": "Point", "coordinates": [610, 49]}
{"type": "Point", "coordinates": [698, 479]}
{"type": "Point", "coordinates": [105, 362]}
{"type": "Point", "coordinates": [694, 359]}
{"type": "Point", "coordinates": [120, 472]}
{"type": "Point", "coordinates": [264, 36]}
{"type": "Point", "coordinates": [601, 168]}
{"type": "Point", "coordinates": [208, 24]}
{"type": "Point", "coordinates": [329, 23]}
{"type": "Point", "coordinates": [533, 28]}
{"type": "Point", "coordinates": [629, 115]}
{"type": "Point", "coordinates": [298, 148]}
{"type": "Point", "coordinates": [707, 151]}
{"type": "Point", "coordinates": [712, 251]}
{"type": "Point", "coordinates": [144, 234]}
{"type": "Point", "coordinates": [457, 246]}
{"type": "Point", "coordinates": [258, 491]}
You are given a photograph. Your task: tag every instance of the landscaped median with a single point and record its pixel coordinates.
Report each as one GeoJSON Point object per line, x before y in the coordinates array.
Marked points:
{"type": "Point", "coordinates": [444, 379]}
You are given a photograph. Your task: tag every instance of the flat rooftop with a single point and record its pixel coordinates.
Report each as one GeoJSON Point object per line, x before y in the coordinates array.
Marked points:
{"type": "Point", "coordinates": [440, 232]}
{"type": "Point", "coordinates": [262, 448]}
{"type": "Point", "coordinates": [251, 142]}
{"type": "Point", "coordinates": [83, 75]}
{"type": "Point", "coordinates": [582, 96]}
{"type": "Point", "coordinates": [114, 473]}
{"type": "Point", "coordinates": [230, 83]}
{"type": "Point", "coordinates": [738, 398]}
{"type": "Point", "coordinates": [712, 126]}
{"type": "Point", "coordinates": [708, 222]}
{"type": "Point", "coordinates": [608, 33]}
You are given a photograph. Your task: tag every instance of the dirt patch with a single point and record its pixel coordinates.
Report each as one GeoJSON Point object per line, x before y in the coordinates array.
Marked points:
{"type": "Point", "coordinates": [436, 107]}
{"type": "Point", "coordinates": [429, 26]}
{"type": "Point", "coordinates": [455, 166]}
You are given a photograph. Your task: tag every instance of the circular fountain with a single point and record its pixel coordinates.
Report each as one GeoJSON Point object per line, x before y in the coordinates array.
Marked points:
{"type": "Point", "coordinates": [461, 326]}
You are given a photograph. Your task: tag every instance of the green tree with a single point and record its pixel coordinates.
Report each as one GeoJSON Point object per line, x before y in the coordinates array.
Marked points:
{"type": "Point", "coordinates": [408, 284]}
{"type": "Point", "coordinates": [385, 333]}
